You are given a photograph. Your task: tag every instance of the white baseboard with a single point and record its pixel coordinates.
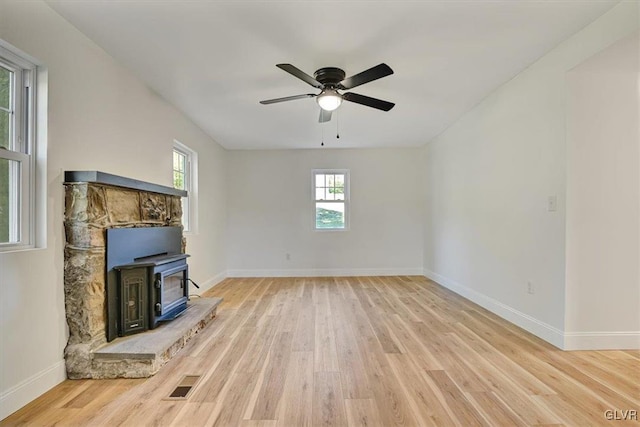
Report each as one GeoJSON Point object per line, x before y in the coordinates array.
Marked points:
{"type": "Point", "coordinates": [538, 328]}
{"type": "Point", "coordinates": [602, 340]}
{"type": "Point", "coordinates": [19, 395]}
{"type": "Point", "coordinates": [327, 272]}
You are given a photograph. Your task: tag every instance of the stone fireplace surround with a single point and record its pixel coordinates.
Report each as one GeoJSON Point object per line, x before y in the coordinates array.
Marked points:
{"type": "Point", "coordinates": [94, 202]}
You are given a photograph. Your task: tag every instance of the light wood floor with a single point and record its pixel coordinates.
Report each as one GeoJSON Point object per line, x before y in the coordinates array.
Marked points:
{"type": "Point", "coordinates": [371, 351]}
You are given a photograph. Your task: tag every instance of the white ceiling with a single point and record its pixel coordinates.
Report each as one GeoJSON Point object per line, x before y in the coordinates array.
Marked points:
{"type": "Point", "coordinates": [215, 60]}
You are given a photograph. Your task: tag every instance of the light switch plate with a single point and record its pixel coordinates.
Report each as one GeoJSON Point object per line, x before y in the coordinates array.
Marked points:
{"type": "Point", "coordinates": [552, 204]}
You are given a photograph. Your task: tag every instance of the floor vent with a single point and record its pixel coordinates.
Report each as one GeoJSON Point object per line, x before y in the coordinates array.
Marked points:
{"type": "Point", "coordinates": [184, 387]}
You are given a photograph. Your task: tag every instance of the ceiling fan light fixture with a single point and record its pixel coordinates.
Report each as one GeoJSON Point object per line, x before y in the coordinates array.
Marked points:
{"type": "Point", "coordinates": [329, 99]}
{"type": "Point", "coordinates": [331, 79]}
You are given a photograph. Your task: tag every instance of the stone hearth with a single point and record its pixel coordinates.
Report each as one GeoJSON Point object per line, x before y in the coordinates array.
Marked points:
{"type": "Point", "coordinates": [142, 355]}
{"type": "Point", "coordinates": [95, 202]}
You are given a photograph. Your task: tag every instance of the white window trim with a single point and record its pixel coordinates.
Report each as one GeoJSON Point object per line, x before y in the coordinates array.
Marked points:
{"type": "Point", "coordinates": [191, 183]}
{"type": "Point", "coordinates": [347, 198]}
{"type": "Point", "coordinates": [31, 149]}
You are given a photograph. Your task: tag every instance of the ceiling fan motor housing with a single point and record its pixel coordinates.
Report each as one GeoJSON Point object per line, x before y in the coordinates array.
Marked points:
{"type": "Point", "coordinates": [329, 76]}
{"type": "Point", "coordinates": [332, 79]}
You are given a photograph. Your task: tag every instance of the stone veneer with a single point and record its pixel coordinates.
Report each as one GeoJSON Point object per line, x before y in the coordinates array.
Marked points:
{"type": "Point", "coordinates": [90, 209]}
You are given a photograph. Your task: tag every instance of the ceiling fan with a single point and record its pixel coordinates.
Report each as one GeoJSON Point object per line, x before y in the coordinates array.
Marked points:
{"type": "Point", "coordinates": [330, 80]}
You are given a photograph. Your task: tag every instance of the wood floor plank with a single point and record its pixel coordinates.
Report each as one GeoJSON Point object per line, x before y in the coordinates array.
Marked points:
{"type": "Point", "coordinates": [423, 400]}
{"type": "Point", "coordinates": [328, 403]}
{"type": "Point", "coordinates": [354, 379]}
{"type": "Point", "coordinates": [633, 353]}
{"type": "Point", "coordinates": [499, 383]}
{"type": "Point", "coordinates": [362, 413]}
{"type": "Point", "coordinates": [515, 372]}
{"type": "Point", "coordinates": [274, 378]}
{"type": "Point", "coordinates": [552, 367]}
{"type": "Point", "coordinates": [258, 423]}
{"type": "Point", "coordinates": [462, 374]}
{"type": "Point", "coordinates": [495, 411]}
{"type": "Point", "coordinates": [113, 391]}
{"type": "Point", "coordinates": [255, 354]}
{"type": "Point", "coordinates": [434, 323]}
{"type": "Point", "coordinates": [375, 313]}
{"type": "Point", "coordinates": [325, 350]}
{"type": "Point", "coordinates": [377, 300]}
{"type": "Point", "coordinates": [228, 412]}
{"type": "Point", "coordinates": [212, 384]}
{"type": "Point", "coordinates": [386, 390]}
{"type": "Point", "coordinates": [289, 313]}
{"type": "Point", "coordinates": [358, 351]}
{"type": "Point", "coordinates": [609, 370]}
{"type": "Point", "coordinates": [191, 414]}
{"type": "Point", "coordinates": [305, 332]}
{"type": "Point", "coordinates": [211, 334]}
{"type": "Point", "coordinates": [320, 294]}
{"type": "Point", "coordinates": [390, 290]}
{"type": "Point", "coordinates": [460, 407]}
{"type": "Point", "coordinates": [296, 406]}
{"type": "Point", "coordinates": [258, 314]}
{"type": "Point", "coordinates": [416, 350]}
{"type": "Point", "coordinates": [156, 415]}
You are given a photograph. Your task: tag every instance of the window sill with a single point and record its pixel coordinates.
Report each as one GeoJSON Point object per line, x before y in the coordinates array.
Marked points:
{"type": "Point", "coordinates": [329, 230]}
{"type": "Point", "coordinates": [9, 249]}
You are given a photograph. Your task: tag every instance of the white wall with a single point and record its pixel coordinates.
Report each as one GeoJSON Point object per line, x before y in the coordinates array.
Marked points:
{"type": "Point", "coordinates": [270, 213]}
{"type": "Point", "coordinates": [487, 228]}
{"type": "Point", "coordinates": [603, 198]}
{"type": "Point", "coordinates": [100, 118]}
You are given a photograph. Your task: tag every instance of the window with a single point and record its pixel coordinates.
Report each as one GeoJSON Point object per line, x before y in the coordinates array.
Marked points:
{"type": "Point", "coordinates": [17, 151]}
{"type": "Point", "coordinates": [185, 163]}
{"type": "Point", "coordinates": [331, 199]}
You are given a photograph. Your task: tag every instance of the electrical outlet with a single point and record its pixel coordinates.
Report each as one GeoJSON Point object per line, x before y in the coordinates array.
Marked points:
{"type": "Point", "coordinates": [530, 288]}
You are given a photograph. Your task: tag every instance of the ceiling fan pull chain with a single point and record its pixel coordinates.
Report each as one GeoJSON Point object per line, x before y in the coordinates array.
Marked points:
{"type": "Point", "coordinates": [322, 133]}
{"type": "Point", "coordinates": [337, 125]}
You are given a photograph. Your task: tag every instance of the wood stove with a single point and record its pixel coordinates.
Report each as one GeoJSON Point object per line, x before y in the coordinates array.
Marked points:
{"type": "Point", "coordinates": [151, 290]}
{"type": "Point", "coordinates": [147, 278]}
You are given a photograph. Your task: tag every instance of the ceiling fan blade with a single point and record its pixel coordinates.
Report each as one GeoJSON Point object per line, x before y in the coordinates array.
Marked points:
{"type": "Point", "coordinates": [373, 73]}
{"type": "Point", "coordinates": [325, 116]}
{"type": "Point", "coordinates": [368, 101]}
{"type": "Point", "coordinates": [294, 71]}
{"type": "Point", "coordinates": [287, 98]}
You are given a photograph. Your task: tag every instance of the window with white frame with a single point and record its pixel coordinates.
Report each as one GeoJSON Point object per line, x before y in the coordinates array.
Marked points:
{"type": "Point", "coordinates": [185, 162]}
{"type": "Point", "coordinates": [17, 150]}
{"type": "Point", "coordinates": [331, 199]}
